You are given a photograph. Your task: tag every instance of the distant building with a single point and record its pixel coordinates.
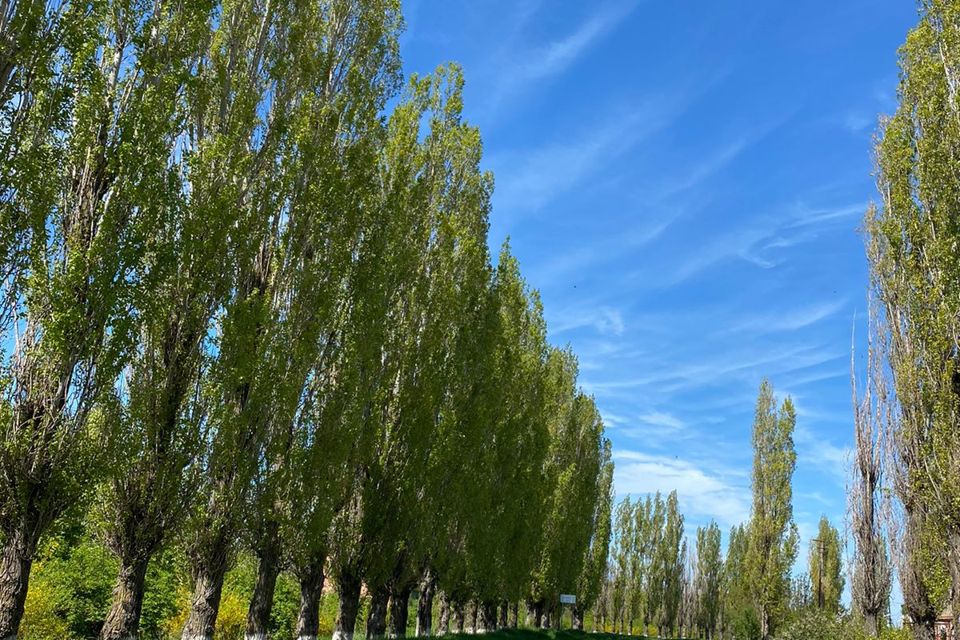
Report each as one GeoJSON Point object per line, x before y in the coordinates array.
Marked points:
{"type": "Point", "coordinates": [943, 627]}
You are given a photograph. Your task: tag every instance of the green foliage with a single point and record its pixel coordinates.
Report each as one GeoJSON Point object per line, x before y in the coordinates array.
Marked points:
{"type": "Point", "coordinates": [709, 577]}
{"type": "Point", "coordinates": [826, 568]}
{"type": "Point", "coordinates": [256, 324]}
{"type": "Point", "coordinates": [647, 564]}
{"type": "Point", "coordinates": [912, 239]}
{"type": "Point", "coordinates": [772, 538]}
{"type": "Point", "coordinates": [814, 624]}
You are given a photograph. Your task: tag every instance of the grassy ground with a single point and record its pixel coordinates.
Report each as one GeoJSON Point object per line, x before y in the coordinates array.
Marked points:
{"type": "Point", "coordinates": [544, 634]}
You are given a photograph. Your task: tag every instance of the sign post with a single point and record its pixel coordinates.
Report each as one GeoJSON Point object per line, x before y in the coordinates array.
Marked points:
{"type": "Point", "coordinates": [566, 598]}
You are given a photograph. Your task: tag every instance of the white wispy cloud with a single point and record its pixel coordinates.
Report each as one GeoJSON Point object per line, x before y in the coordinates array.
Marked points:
{"type": "Point", "coordinates": [523, 69]}
{"type": "Point", "coordinates": [702, 493]}
{"type": "Point", "coordinates": [760, 243]}
{"type": "Point", "coordinates": [532, 178]}
{"type": "Point", "coordinates": [604, 320]}
{"type": "Point", "coordinates": [662, 419]}
{"type": "Point", "coordinates": [789, 320]}
{"type": "Point", "coordinates": [745, 363]}
{"type": "Point", "coordinates": [816, 451]}
{"type": "Point", "coordinates": [602, 250]}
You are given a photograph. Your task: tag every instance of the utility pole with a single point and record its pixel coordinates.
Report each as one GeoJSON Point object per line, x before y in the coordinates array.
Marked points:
{"type": "Point", "coordinates": [819, 543]}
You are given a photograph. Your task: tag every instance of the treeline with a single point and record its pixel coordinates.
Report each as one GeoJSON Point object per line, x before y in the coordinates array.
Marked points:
{"type": "Point", "coordinates": [663, 583]}
{"type": "Point", "coordinates": [248, 307]}
{"type": "Point", "coordinates": [906, 504]}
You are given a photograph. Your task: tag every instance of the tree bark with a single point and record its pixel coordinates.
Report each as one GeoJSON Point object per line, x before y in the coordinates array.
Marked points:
{"type": "Point", "coordinates": [425, 605]}
{"type": "Point", "coordinates": [514, 620]}
{"type": "Point", "coordinates": [123, 619]}
{"type": "Point", "coordinates": [544, 617]}
{"type": "Point", "coordinates": [458, 617]}
{"type": "Point", "coordinates": [348, 591]}
{"type": "Point", "coordinates": [577, 616]}
{"type": "Point", "coordinates": [443, 623]}
{"type": "Point", "coordinates": [487, 616]}
{"type": "Point", "coordinates": [399, 610]}
{"type": "Point", "coordinates": [207, 590]}
{"type": "Point", "coordinates": [537, 613]}
{"type": "Point", "coordinates": [377, 614]}
{"type": "Point", "coordinates": [261, 602]}
{"type": "Point", "coordinates": [311, 590]}
{"type": "Point", "coordinates": [474, 615]}
{"type": "Point", "coordinates": [18, 551]}
{"type": "Point", "coordinates": [504, 613]}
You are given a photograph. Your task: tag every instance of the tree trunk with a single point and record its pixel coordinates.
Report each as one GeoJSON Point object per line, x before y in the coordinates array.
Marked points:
{"type": "Point", "coordinates": [261, 603]}
{"type": "Point", "coordinates": [577, 618]}
{"type": "Point", "coordinates": [870, 624]}
{"type": "Point", "coordinates": [425, 605]}
{"type": "Point", "coordinates": [123, 619]}
{"type": "Point", "coordinates": [207, 590]}
{"type": "Point", "coordinates": [399, 610]}
{"type": "Point", "coordinates": [514, 620]}
{"type": "Point", "coordinates": [377, 614]}
{"type": "Point", "coordinates": [311, 590]}
{"type": "Point", "coordinates": [923, 631]}
{"type": "Point", "coordinates": [764, 624]}
{"type": "Point", "coordinates": [474, 615]}
{"type": "Point", "coordinates": [953, 562]}
{"type": "Point", "coordinates": [18, 551]}
{"type": "Point", "coordinates": [348, 592]}
{"type": "Point", "coordinates": [443, 623]}
{"type": "Point", "coordinates": [458, 617]}
{"type": "Point", "coordinates": [487, 616]}
{"type": "Point", "coordinates": [537, 611]}
{"type": "Point", "coordinates": [504, 614]}
{"type": "Point", "coordinates": [544, 616]}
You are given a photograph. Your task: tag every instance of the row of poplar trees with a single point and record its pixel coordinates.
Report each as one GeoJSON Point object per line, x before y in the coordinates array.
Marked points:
{"type": "Point", "coordinates": [907, 464]}
{"type": "Point", "coordinates": [247, 302]}
{"type": "Point", "coordinates": [658, 580]}
{"type": "Point", "coordinates": [662, 582]}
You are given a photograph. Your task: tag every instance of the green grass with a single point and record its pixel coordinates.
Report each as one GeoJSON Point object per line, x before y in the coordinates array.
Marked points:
{"type": "Point", "coordinates": [542, 634]}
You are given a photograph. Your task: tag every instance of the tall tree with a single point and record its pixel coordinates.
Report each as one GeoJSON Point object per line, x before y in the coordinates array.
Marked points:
{"type": "Point", "coordinates": [88, 145]}
{"type": "Point", "coordinates": [772, 545]}
{"type": "Point", "coordinates": [669, 566]}
{"type": "Point", "coordinates": [871, 576]}
{"type": "Point", "coordinates": [595, 563]}
{"type": "Point", "coordinates": [826, 571]}
{"type": "Point", "coordinates": [912, 240]}
{"type": "Point", "coordinates": [621, 555]}
{"type": "Point", "coordinates": [709, 579]}
{"type": "Point", "coordinates": [739, 616]}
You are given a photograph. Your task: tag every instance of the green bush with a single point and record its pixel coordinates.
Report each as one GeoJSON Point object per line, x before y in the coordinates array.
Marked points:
{"type": "Point", "coordinates": [814, 624]}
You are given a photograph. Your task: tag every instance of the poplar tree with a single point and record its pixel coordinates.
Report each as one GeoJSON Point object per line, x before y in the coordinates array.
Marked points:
{"type": "Point", "coordinates": [912, 237]}
{"type": "Point", "coordinates": [871, 573]}
{"type": "Point", "coordinates": [595, 561]}
{"type": "Point", "coordinates": [88, 141]}
{"type": "Point", "coordinates": [739, 616]}
{"type": "Point", "coordinates": [259, 305]}
{"type": "Point", "coordinates": [669, 566]}
{"type": "Point", "coordinates": [826, 571]}
{"type": "Point", "coordinates": [709, 579]}
{"type": "Point", "coordinates": [621, 561]}
{"type": "Point", "coordinates": [772, 545]}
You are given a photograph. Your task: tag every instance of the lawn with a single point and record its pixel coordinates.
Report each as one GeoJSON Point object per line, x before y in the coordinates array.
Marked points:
{"type": "Point", "coordinates": [544, 634]}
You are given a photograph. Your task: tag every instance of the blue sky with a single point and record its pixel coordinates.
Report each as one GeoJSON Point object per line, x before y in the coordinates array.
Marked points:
{"type": "Point", "coordinates": [683, 182]}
